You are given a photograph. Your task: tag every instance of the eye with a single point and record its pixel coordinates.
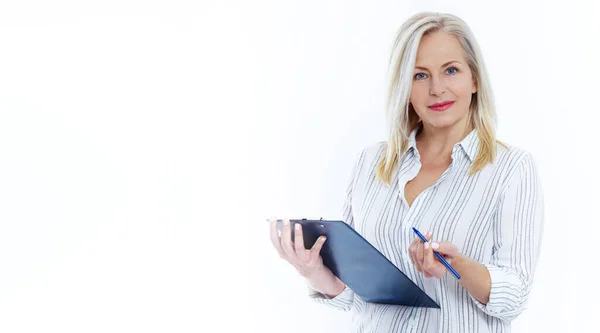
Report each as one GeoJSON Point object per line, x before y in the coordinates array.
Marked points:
{"type": "Point", "coordinates": [452, 70]}
{"type": "Point", "coordinates": [420, 76]}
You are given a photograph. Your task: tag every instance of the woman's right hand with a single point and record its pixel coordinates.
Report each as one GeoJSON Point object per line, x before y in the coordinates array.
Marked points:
{"type": "Point", "coordinates": [308, 262]}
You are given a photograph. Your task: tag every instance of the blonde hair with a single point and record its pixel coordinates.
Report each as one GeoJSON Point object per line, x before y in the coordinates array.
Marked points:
{"type": "Point", "coordinates": [402, 117]}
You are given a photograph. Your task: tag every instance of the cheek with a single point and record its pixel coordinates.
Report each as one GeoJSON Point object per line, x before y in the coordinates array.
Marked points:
{"type": "Point", "coordinates": [416, 95]}
{"type": "Point", "coordinates": [463, 88]}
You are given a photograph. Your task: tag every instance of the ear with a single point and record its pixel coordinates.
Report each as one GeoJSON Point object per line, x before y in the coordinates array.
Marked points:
{"type": "Point", "coordinates": [474, 88]}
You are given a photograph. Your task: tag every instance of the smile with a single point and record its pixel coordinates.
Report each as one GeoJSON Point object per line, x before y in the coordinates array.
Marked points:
{"type": "Point", "coordinates": [441, 106]}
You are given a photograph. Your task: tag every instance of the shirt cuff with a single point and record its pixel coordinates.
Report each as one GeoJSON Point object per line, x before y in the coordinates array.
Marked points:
{"type": "Point", "coordinates": [506, 299]}
{"type": "Point", "coordinates": [343, 301]}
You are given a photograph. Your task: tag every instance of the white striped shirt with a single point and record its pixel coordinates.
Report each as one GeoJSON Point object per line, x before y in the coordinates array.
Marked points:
{"type": "Point", "coordinates": [494, 217]}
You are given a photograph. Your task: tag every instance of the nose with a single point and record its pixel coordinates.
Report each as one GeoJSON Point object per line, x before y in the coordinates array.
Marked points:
{"type": "Point", "coordinates": [436, 86]}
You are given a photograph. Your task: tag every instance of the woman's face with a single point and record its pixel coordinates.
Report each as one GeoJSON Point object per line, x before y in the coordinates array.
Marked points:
{"type": "Point", "coordinates": [442, 75]}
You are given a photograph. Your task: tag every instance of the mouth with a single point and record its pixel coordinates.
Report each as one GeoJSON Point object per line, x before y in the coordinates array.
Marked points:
{"type": "Point", "coordinates": [441, 106]}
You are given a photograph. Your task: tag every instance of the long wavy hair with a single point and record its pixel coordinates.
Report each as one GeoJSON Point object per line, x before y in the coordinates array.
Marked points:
{"type": "Point", "coordinates": [402, 118]}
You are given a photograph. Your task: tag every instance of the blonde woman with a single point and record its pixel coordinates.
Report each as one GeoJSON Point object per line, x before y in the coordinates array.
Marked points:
{"type": "Point", "coordinates": [441, 171]}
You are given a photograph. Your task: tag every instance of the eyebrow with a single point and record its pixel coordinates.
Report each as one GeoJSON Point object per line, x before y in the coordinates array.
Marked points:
{"type": "Point", "coordinates": [444, 65]}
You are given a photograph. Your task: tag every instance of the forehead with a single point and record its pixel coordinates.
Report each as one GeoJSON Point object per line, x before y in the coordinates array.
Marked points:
{"type": "Point", "coordinates": [437, 48]}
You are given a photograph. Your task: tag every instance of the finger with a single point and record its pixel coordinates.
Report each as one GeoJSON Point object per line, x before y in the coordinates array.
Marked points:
{"type": "Point", "coordinates": [419, 251]}
{"type": "Point", "coordinates": [415, 245]}
{"type": "Point", "coordinates": [412, 252]}
{"type": "Point", "coordinates": [428, 236]}
{"type": "Point", "coordinates": [299, 242]}
{"type": "Point", "coordinates": [419, 256]}
{"type": "Point", "coordinates": [412, 249]}
{"type": "Point", "coordinates": [286, 240]}
{"type": "Point", "coordinates": [428, 264]}
{"type": "Point", "coordinates": [274, 235]}
{"type": "Point", "coordinates": [315, 251]}
{"type": "Point", "coordinates": [445, 248]}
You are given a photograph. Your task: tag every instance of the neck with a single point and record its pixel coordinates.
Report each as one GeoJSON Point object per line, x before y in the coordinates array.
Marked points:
{"type": "Point", "coordinates": [438, 142]}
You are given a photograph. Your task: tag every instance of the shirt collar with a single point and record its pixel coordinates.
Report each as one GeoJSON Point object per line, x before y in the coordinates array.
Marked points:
{"type": "Point", "coordinates": [412, 139]}
{"type": "Point", "coordinates": [469, 145]}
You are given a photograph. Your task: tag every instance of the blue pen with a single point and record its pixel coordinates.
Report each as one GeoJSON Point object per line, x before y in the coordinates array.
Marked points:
{"type": "Point", "coordinates": [439, 256]}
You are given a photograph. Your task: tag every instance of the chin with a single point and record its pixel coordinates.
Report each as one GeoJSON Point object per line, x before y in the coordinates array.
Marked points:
{"type": "Point", "coordinates": [444, 119]}
{"type": "Point", "coordinates": [441, 122]}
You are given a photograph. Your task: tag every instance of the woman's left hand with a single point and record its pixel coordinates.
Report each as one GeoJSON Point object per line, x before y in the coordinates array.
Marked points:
{"type": "Point", "coordinates": [421, 255]}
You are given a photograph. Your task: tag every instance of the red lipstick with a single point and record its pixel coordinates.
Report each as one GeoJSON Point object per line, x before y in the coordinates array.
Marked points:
{"type": "Point", "coordinates": [441, 106]}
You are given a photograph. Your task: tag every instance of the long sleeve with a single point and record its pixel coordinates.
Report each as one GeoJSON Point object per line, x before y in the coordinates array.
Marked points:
{"type": "Point", "coordinates": [517, 232]}
{"type": "Point", "coordinates": [344, 300]}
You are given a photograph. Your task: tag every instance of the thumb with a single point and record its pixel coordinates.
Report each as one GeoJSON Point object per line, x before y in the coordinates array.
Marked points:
{"type": "Point", "coordinates": [445, 248]}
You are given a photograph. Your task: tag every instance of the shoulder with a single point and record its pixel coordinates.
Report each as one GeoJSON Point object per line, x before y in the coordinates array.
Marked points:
{"type": "Point", "coordinates": [514, 160]}
{"type": "Point", "coordinates": [367, 157]}
{"type": "Point", "coordinates": [371, 152]}
{"type": "Point", "coordinates": [513, 153]}
{"type": "Point", "coordinates": [375, 149]}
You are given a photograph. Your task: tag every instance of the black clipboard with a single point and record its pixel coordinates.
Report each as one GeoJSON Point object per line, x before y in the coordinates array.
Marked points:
{"type": "Point", "coordinates": [363, 268]}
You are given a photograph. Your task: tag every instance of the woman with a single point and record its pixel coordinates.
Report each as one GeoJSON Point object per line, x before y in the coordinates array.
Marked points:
{"type": "Point", "coordinates": [442, 171]}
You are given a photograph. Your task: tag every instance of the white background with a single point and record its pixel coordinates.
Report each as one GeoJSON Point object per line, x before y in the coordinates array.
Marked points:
{"type": "Point", "coordinates": [143, 143]}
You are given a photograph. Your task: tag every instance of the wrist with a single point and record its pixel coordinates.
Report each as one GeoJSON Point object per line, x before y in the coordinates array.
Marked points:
{"type": "Point", "coordinates": [338, 287]}
{"type": "Point", "coordinates": [460, 263]}
{"type": "Point", "coordinates": [316, 274]}
{"type": "Point", "coordinates": [475, 277]}
{"type": "Point", "coordinates": [325, 282]}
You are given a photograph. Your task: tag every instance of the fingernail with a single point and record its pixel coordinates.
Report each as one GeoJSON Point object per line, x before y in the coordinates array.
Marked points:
{"type": "Point", "coordinates": [297, 226]}
{"type": "Point", "coordinates": [435, 246]}
{"type": "Point", "coordinates": [286, 221]}
{"type": "Point", "coordinates": [426, 245]}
